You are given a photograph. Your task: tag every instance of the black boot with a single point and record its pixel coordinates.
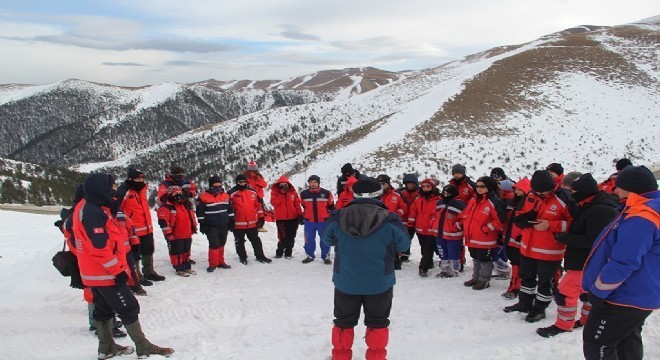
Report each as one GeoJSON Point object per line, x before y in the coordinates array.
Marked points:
{"type": "Point", "coordinates": [471, 282]}
{"type": "Point", "coordinates": [519, 307]}
{"type": "Point", "coordinates": [148, 269]}
{"type": "Point", "coordinates": [549, 331]}
{"type": "Point", "coordinates": [535, 315]}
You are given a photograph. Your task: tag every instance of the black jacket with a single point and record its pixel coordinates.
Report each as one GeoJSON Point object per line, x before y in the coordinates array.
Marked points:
{"type": "Point", "coordinates": [590, 219]}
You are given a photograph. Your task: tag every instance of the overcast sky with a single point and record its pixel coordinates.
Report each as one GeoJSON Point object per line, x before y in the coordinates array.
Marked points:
{"type": "Point", "coordinates": [143, 42]}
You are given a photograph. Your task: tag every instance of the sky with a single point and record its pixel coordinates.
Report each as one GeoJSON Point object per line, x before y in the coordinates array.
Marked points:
{"type": "Point", "coordinates": [145, 42]}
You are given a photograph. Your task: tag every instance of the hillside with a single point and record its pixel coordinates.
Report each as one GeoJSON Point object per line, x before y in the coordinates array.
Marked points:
{"type": "Point", "coordinates": [583, 96]}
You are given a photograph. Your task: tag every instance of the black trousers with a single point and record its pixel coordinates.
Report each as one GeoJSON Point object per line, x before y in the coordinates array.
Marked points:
{"type": "Point", "coordinates": [286, 236]}
{"type": "Point", "coordinates": [539, 275]}
{"type": "Point", "coordinates": [513, 253]}
{"type": "Point", "coordinates": [614, 332]}
{"type": "Point", "coordinates": [483, 255]}
{"type": "Point", "coordinates": [217, 236]}
{"type": "Point", "coordinates": [252, 235]}
{"type": "Point", "coordinates": [118, 299]}
{"type": "Point", "coordinates": [179, 250]}
{"type": "Point", "coordinates": [376, 309]}
{"type": "Point", "coordinates": [427, 244]}
{"type": "Point", "coordinates": [147, 244]}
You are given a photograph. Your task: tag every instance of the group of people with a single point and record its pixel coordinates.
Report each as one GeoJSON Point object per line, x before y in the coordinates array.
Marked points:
{"type": "Point", "coordinates": [606, 235]}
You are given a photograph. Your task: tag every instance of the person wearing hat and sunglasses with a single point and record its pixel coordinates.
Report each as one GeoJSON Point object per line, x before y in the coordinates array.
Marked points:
{"type": "Point", "coordinates": [366, 237]}
{"type": "Point", "coordinates": [621, 271]}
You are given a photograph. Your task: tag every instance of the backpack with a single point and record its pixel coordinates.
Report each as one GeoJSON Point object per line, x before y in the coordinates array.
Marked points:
{"type": "Point", "coordinates": [67, 264]}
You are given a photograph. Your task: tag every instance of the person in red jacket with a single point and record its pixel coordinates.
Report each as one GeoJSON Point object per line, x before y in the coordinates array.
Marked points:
{"type": "Point", "coordinates": [395, 204]}
{"type": "Point", "coordinates": [288, 215]}
{"type": "Point", "coordinates": [215, 215]}
{"type": "Point", "coordinates": [449, 234]}
{"type": "Point", "coordinates": [178, 223]}
{"type": "Point", "coordinates": [462, 182]}
{"type": "Point", "coordinates": [482, 221]}
{"type": "Point", "coordinates": [557, 173]}
{"type": "Point", "coordinates": [346, 196]}
{"type": "Point", "coordinates": [257, 183]}
{"type": "Point", "coordinates": [248, 215]}
{"type": "Point", "coordinates": [420, 216]}
{"type": "Point", "coordinates": [609, 185]}
{"type": "Point", "coordinates": [409, 192]}
{"type": "Point", "coordinates": [176, 177]}
{"type": "Point", "coordinates": [103, 268]}
{"type": "Point", "coordinates": [317, 203]}
{"type": "Point", "coordinates": [513, 234]}
{"type": "Point", "coordinates": [132, 194]}
{"type": "Point", "coordinates": [546, 212]}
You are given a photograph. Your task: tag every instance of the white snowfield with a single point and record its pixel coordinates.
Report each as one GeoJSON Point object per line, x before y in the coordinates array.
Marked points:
{"type": "Point", "coordinates": [273, 311]}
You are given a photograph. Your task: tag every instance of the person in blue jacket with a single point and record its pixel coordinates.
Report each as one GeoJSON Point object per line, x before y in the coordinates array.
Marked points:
{"type": "Point", "coordinates": [366, 237]}
{"type": "Point", "coordinates": [621, 274]}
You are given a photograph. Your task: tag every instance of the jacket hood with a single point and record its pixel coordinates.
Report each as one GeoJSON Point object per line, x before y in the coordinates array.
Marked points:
{"type": "Point", "coordinates": [98, 189]}
{"type": "Point", "coordinates": [282, 179]}
{"type": "Point", "coordinates": [646, 206]}
{"type": "Point", "coordinates": [362, 217]}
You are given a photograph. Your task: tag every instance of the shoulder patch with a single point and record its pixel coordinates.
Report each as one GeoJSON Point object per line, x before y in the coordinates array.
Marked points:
{"type": "Point", "coordinates": [99, 230]}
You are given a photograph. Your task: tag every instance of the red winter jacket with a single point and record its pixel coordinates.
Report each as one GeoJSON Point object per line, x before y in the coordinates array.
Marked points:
{"type": "Point", "coordinates": [421, 213]}
{"type": "Point", "coordinates": [256, 182]}
{"type": "Point", "coordinates": [541, 245]}
{"type": "Point", "coordinates": [465, 188]}
{"type": "Point", "coordinates": [446, 220]}
{"type": "Point", "coordinates": [482, 221]}
{"type": "Point", "coordinates": [189, 189]}
{"type": "Point", "coordinates": [247, 207]}
{"type": "Point", "coordinates": [395, 204]}
{"type": "Point", "coordinates": [177, 221]}
{"type": "Point", "coordinates": [609, 185]}
{"type": "Point", "coordinates": [285, 205]}
{"type": "Point", "coordinates": [317, 204]}
{"type": "Point", "coordinates": [99, 244]}
{"type": "Point", "coordinates": [346, 196]}
{"type": "Point", "coordinates": [136, 206]}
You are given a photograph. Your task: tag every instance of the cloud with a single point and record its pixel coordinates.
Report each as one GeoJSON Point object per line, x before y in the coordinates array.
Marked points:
{"type": "Point", "coordinates": [110, 63]}
{"type": "Point", "coordinates": [293, 32]}
{"type": "Point", "coordinates": [188, 63]}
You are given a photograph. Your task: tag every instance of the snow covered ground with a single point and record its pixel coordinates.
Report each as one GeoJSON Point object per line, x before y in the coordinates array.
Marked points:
{"type": "Point", "coordinates": [260, 311]}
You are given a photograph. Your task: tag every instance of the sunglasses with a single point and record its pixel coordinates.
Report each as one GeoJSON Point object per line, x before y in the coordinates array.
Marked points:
{"type": "Point", "coordinates": [481, 186]}
{"type": "Point", "coordinates": [426, 187]}
{"type": "Point", "coordinates": [241, 182]}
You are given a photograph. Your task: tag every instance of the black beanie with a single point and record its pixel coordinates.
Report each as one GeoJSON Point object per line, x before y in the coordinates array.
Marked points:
{"type": "Point", "coordinates": [383, 178]}
{"type": "Point", "coordinates": [622, 163]}
{"type": "Point", "coordinates": [367, 188]}
{"type": "Point", "coordinates": [636, 179]}
{"type": "Point", "coordinates": [314, 178]}
{"type": "Point", "coordinates": [498, 172]}
{"type": "Point", "coordinates": [542, 181]}
{"type": "Point", "coordinates": [214, 179]}
{"type": "Point", "coordinates": [458, 169]}
{"type": "Point", "coordinates": [347, 168]}
{"type": "Point", "coordinates": [240, 177]}
{"type": "Point", "coordinates": [133, 173]}
{"type": "Point", "coordinates": [451, 190]}
{"type": "Point", "coordinates": [585, 185]}
{"type": "Point", "coordinates": [555, 168]}
{"type": "Point", "coordinates": [491, 184]}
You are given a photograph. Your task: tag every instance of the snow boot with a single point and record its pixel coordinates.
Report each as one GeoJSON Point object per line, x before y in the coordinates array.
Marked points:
{"type": "Point", "coordinates": [423, 273]}
{"type": "Point", "coordinates": [471, 282]}
{"type": "Point", "coordinates": [517, 307]}
{"type": "Point", "coordinates": [143, 346]}
{"type": "Point", "coordinates": [224, 266]}
{"type": "Point", "coordinates": [138, 290]}
{"type": "Point", "coordinates": [342, 343]}
{"type": "Point", "coordinates": [307, 260]}
{"type": "Point", "coordinates": [480, 285]}
{"type": "Point", "coordinates": [376, 340]}
{"type": "Point", "coordinates": [148, 269]}
{"type": "Point", "coordinates": [107, 346]}
{"type": "Point", "coordinates": [327, 261]}
{"type": "Point", "coordinates": [211, 269]}
{"type": "Point", "coordinates": [535, 315]}
{"type": "Point", "coordinates": [510, 295]}
{"type": "Point", "coordinates": [142, 280]}
{"type": "Point", "coordinates": [244, 261]}
{"type": "Point", "coordinates": [264, 260]}
{"type": "Point", "coordinates": [550, 331]}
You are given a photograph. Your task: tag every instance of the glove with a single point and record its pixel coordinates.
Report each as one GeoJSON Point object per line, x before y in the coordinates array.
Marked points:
{"type": "Point", "coordinates": [231, 225]}
{"type": "Point", "coordinates": [261, 222]}
{"type": "Point", "coordinates": [58, 224]}
{"type": "Point", "coordinates": [121, 278]}
{"type": "Point", "coordinates": [595, 300]}
{"type": "Point", "coordinates": [202, 229]}
{"type": "Point", "coordinates": [301, 220]}
{"type": "Point", "coordinates": [522, 220]}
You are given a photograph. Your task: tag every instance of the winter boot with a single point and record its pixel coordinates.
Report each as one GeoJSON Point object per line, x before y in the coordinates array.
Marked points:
{"type": "Point", "coordinates": [210, 269]}
{"type": "Point", "coordinates": [510, 295]}
{"type": "Point", "coordinates": [327, 261]}
{"type": "Point", "coordinates": [423, 273]}
{"type": "Point", "coordinates": [518, 307]}
{"type": "Point", "coordinates": [107, 346]}
{"type": "Point", "coordinates": [342, 343]}
{"type": "Point", "coordinates": [376, 340]}
{"type": "Point", "coordinates": [143, 281]}
{"type": "Point", "coordinates": [143, 346]}
{"type": "Point", "coordinates": [480, 285]}
{"type": "Point", "coordinates": [148, 269]}
{"type": "Point", "coordinates": [550, 331]}
{"type": "Point", "coordinates": [535, 315]}
{"type": "Point", "coordinates": [244, 261]}
{"type": "Point", "coordinates": [138, 290]}
{"type": "Point", "coordinates": [307, 260]}
{"type": "Point", "coordinates": [264, 260]}
{"type": "Point", "coordinates": [224, 266]}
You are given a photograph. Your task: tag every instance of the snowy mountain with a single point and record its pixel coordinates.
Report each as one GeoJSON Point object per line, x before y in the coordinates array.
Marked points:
{"type": "Point", "coordinates": [583, 96]}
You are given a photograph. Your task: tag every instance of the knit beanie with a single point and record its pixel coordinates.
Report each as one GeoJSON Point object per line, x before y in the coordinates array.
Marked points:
{"type": "Point", "coordinates": [458, 169]}
{"type": "Point", "coordinates": [367, 188]}
{"type": "Point", "coordinates": [133, 173]}
{"type": "Point", "coordinates": [491, 184]}
{"type": "Point", "coordinates": [585, 185]}
{"type": "Point", "coordinates": [241, 177]}
{"type": "Point", "coordinates": [636, 179]}
{"type": "Point", "coordinates": [252, 166]}
{"type": "Point", "coordinates": [430, 181]}
{"type": "Point", "coordinates": [555, 168]}
{"type": "Point", "coordinates": [214, 179]}
{"type": "Point", "coordinates": [570, 177]}
{"type": "Point", "coordinates": [383, 178]}
{"type": "Point", "coordinates": [314, 178]}
{"type": "Point", "coordinates": [499, 172]}
{"type": "Point", "coordinates": [542, 181]}
{"type": "Point", "coordinates": [622, 163]}
{"type": "Point", "coordinates": [347, 169]}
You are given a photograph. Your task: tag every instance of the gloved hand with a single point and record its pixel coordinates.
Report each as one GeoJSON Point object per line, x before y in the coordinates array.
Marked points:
{"type": "Point", "coordinates": [261, 222]}
{"type": "Point", "coordinates": [301, 220]}
{"type": "Point", "coordinates": [194, 229]}
{"type": "Point", "coordinates": [121, 278]}
{"type": "Point", "coordinates": [135, 251]}
{"type": "Point", "coordinates": [523, 220]}
{"type": "Point", "coordinates": [202, 229]}
{"type": "Point", "coordinates": [58, 224]}
{"type": "Point", "coordinates": [595, 300]}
